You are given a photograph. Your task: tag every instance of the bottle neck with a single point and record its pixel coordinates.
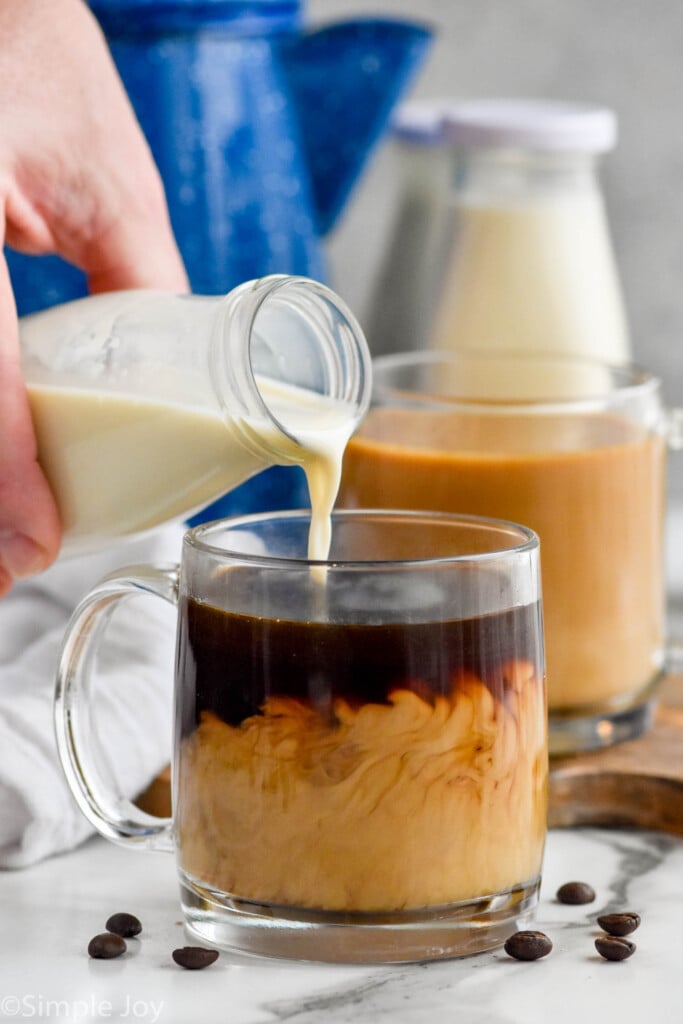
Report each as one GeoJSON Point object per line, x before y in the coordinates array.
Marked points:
{"type": "Point", "coordinates": [289, 363]}
{"type": "Point", "coordinates": [515, 174]}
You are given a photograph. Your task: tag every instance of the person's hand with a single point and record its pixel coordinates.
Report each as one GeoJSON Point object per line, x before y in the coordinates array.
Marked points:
{"type": "Point", "coordinates": [76, 178]}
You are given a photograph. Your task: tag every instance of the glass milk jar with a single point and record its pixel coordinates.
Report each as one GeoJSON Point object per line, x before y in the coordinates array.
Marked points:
{"type": "Point", "coordinates": [502, 239]}
{"type": "Point", "coordinates": [147, 406]}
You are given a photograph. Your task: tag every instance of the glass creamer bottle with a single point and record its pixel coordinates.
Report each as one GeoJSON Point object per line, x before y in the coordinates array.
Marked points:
{"type": "Point", "coordinates": [519, 251]}
{"type": "Point", "coordinates": [147, 406]}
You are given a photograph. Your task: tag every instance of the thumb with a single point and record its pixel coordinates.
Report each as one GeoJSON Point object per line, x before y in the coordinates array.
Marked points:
{"type": "Point", "coordinates": [29, 522]}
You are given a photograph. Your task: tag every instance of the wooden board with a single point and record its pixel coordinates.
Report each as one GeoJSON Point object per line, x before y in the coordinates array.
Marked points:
{"type": "Point", "coordinates": [638, 783]}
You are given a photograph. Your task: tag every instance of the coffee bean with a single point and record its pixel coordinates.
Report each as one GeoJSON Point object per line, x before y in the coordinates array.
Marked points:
{"type": "Point", "coordinates": [528, 945]}
{"type": "Point", "coordinates": [619, 924]}
{"type": "Point", "coordinates": [193, 958]}
{"type": "Point", "coordinates": [126, 925]}
{"type": "Point", "coordinates": [106, 946]}
{"type": "Point", "coordinates": [612, 947]}
{"type": "Point", "coordinates": [575, 893]}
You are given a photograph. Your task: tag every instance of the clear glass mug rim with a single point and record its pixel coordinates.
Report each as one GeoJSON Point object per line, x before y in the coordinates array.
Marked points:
{"type": "Point", "coordinates": [629, 382]}
{"type": "Point", "coordinates": [195, 538]}
{"type": "Point", "coordinates": [627, 378]}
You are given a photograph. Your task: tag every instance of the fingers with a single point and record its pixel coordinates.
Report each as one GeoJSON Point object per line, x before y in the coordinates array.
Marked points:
{"type": "Point", "coordinates": [134, 246]}
{"type": "Point", "coordinates": [135, 258]}
{"type": "Point", "coordinates": [113, 226]}
{"type": "Point", "coordinates": [29, 522]}
{"type": "Point", "coordinates": [131, 242]}
{"type": "Point", "coordinates": [79, 178]}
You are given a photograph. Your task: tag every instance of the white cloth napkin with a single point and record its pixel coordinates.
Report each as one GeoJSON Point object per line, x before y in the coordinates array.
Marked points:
{"type": "Point", "coordinates": [132, 700]}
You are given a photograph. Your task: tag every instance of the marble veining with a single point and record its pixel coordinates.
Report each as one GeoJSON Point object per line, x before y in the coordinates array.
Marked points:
{"type": "Point", "coordinates": [57, 907]}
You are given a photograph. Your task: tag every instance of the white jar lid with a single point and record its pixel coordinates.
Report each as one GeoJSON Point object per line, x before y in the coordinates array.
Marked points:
{"type": "Point", "coordinates": [516, 123]}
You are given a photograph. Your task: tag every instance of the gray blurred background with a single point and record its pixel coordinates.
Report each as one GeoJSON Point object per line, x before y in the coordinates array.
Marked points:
{"type": "Point", "coordinates": [626, 54]}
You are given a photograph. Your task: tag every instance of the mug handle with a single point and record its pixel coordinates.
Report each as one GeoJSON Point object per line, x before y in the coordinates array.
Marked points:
{"type": "Point", "coordinates": [114, 816]}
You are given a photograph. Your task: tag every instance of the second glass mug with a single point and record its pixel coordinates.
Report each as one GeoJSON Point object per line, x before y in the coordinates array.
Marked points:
{"type": "Point", "coordinates": [360, 753]}
{"type": "Point", "coordinates": [575, 449]}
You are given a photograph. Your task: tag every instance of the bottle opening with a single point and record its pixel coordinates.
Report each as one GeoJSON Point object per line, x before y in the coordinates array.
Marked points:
{"type": "Point", "coordinates": [290, 359]}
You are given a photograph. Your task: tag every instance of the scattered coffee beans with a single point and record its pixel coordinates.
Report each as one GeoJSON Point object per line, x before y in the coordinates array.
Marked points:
{"type": "Point", "coordinates": [575, 893]}
{"type": "Point", "coordinates": [126, 925]}
{"type": "Point", "coordinates": [528, 945]}
{"type": "Point", "coordinates": [612, 947]}
{"type": "Point", "coordinates": [193, 958]}
{"type": "Point", "coordinates": [619, 924]}
{"type": "Point", "coordinates": [106, 946]}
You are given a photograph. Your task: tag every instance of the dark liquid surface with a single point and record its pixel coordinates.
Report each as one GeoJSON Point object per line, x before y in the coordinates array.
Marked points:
{"type": "Point", "coordinates": [230, 664]}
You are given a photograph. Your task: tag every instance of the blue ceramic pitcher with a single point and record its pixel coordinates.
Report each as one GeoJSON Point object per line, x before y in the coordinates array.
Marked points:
{"type": "Point", "coordinates": [260, 129]}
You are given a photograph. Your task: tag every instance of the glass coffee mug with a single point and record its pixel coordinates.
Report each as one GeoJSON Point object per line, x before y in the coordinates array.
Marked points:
{"type": "Point", "coordinates": [576, 450]}
{"type": "Point", "coordinates": [360, 755]}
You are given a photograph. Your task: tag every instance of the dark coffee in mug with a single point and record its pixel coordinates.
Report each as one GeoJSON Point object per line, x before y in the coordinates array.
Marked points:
{"type": "Point", "coordinates": [345, 765]}
{"type": "Point", "coordinates": [234, 664]}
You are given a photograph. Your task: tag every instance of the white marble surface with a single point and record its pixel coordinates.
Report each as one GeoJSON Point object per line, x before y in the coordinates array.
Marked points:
{"type": "Point", "coordinates": [50, 912]}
